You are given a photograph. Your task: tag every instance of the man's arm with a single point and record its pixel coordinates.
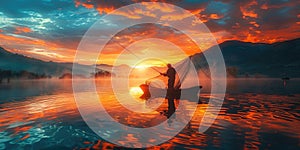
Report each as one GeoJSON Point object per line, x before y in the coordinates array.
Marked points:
{"type": "Point", "coordinates": [164, 74]}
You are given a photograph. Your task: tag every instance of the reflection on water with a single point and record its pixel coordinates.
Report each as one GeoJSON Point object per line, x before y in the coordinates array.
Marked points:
{"type": "Point", "coordinates": [256, 114]}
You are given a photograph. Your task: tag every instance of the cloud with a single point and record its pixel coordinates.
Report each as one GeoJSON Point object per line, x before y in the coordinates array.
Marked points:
{"type": "Point", "coordinates": [145, 31]}
{"type": "Point", "coordinates": [19, 30]}
{"type": "Point", "coordinates": [36, 48]}
{"type": "Point", "coordinates": [255, 21]}
{"type": "Point", "coordinates": [247, 9]}
{"type": "Point", "coordinates": [46, 53]}
{"type": "Point", "coordinates": [102, 7]}
{"type": "Point", "coordinates": [243, 20]}
{"type": "Point", "coordinates": [58, 26]}
{"type": "Point", "coordinates": [14, 40]}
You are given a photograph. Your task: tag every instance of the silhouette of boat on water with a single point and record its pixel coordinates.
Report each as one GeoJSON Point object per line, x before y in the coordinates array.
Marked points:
{"type": "Point", "coordinates": [154, 92]}
{"type": "Point", "coordinates": [285, 78]}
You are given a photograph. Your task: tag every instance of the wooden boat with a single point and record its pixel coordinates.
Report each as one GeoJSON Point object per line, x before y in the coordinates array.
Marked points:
{"type": "Point", "coordinates": [154, 92]}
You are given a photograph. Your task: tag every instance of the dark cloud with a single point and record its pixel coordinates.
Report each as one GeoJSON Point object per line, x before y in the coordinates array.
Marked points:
{"type": "Point", "coordinates": [241, 18]}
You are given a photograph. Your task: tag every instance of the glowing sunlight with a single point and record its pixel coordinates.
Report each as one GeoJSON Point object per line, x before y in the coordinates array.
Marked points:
{"type": "Point", "coordinates": [135, 91]}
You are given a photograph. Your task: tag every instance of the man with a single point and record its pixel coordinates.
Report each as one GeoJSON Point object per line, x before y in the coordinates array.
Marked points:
{"type": "Point", "coordinates": [171, 74]}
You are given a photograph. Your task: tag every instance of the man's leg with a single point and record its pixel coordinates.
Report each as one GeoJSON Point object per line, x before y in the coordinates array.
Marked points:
{"type": "Point", "coordinates": [171, 106]}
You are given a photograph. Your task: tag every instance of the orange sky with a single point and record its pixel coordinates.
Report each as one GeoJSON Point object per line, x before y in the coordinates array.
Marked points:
{"type": "Point", "coordinates": [55, 34]}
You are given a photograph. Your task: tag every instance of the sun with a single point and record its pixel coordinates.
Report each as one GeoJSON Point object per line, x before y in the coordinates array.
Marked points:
{"type": "Point", "coordinates": [136, 91]}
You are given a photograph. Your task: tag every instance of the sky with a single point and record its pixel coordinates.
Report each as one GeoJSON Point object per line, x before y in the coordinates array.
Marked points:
{"type": "Point", "coordinates": [51, 30]}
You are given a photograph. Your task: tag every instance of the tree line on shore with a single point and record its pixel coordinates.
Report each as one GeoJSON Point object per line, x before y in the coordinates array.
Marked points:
{"type": "Point", "coordinates": [8, 74]}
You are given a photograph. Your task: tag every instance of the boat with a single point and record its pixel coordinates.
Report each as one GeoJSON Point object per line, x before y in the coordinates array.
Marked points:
{"type": "Point", "coordinates": [285, 78]}
{"type": "Point", "coordinates": [154, 92]}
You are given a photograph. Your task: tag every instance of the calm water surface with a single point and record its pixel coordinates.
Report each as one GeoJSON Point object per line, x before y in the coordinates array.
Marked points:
{"type": "Point", "coordinates": [256, 114]}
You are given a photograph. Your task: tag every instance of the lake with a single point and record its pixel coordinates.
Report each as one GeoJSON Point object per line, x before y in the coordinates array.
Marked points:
{"type": "Point", "coordinates": [256, 114]}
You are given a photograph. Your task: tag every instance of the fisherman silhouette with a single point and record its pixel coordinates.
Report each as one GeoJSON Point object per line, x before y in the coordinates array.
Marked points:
{"type": "Point", "coordinates": [171, 74]}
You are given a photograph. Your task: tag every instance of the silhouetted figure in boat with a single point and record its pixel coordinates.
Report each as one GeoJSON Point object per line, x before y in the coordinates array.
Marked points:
{"type": "Point", "coordinates": [171, 74]}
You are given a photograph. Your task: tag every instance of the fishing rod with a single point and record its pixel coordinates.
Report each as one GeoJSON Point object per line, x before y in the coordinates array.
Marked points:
{"type": "Point", "coordinates": [136, 56]}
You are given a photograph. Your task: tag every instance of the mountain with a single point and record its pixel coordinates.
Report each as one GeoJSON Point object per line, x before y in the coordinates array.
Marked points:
{"type": "Point", "coordinates": [271, 60]}
{"type": "Point", "coordinates": [16, 62]}
{"type": "Point", "coordinates": [241, 59]}
{"type": "Point", "coordinates": [119, 71]}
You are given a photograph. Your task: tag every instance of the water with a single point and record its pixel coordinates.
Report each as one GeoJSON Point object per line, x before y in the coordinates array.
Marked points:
{"type": "Point", "coordinates": [256, 114]}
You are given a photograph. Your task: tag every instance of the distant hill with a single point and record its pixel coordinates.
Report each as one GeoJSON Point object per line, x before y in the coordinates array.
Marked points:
{"type": "Point", "coordinates": [241, 58]}
{"type": "Point", "coordinates": [119, 71]}
{"type": "Point", "coordinates": [271, 60]}
{"type": "Point", "coordinates": [16, 62]}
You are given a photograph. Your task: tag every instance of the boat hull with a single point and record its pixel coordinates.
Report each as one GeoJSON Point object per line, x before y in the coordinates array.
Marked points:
{"type": "Point", "coordinates": [153, 92]}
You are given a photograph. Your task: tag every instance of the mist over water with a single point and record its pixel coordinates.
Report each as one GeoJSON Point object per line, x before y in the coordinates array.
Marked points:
{"type": "Point", "coordinates": [256, 113]}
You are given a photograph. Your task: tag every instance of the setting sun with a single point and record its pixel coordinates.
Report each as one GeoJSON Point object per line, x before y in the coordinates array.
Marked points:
{"type": "Point", "coordinates": [136, 91]}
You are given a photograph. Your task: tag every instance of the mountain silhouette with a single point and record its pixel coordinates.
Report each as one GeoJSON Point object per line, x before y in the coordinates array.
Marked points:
{"type": "Point", "coordinates": [17, 62]}
{"type": "Point", "coordinates": [271, 60]}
